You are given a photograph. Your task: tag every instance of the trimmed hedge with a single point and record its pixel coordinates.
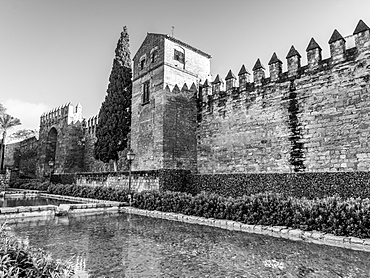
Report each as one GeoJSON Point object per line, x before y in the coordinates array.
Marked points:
{"type": "Point", "coordinates": [63, 178]}
{"type": "Point", "coordinates": [20, 260]}
{"type": "Point", "coordinates": [331, 215]}
{"type": "Point", "coordinates": [335, 215]}
{"type": "Point", "coordinates": [309, 185]}
{"type": "Point", "coordinates": [95, 192]}
{"type": "Point", "coordinates": [31, 185]}
{"type": "Point", "coordinates": [176, 180]}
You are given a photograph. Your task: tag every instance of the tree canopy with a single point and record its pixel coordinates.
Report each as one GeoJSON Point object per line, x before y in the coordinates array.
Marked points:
{"type": "Point", "coordinates": [115, 113]}
{"type": "Point", "coordinates": [6, 122]}
{"type": "Point", "coordinates": [2, 109]}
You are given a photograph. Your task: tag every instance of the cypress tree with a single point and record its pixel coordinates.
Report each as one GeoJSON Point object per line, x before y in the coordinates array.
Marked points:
{"type": "Point", "coordinates": [114, 122]}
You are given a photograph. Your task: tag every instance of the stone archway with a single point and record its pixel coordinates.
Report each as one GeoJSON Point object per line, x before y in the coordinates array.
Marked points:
{"type": "Point", "coordinates": [51, 145]}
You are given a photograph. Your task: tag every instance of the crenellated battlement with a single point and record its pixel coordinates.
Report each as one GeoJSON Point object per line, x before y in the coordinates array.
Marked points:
{"type": "Point", "coordinates": [218, 89]}
{"type": "Point", "coordinates": [308, 118]}
{"type": "Point", "coordinates": [91, 124]}
{"type": "Point", "coordinates": [66, 113]}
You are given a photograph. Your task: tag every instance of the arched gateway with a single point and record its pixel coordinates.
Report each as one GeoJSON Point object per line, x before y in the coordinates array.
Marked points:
{"type": "Point", "coordinates": [60, 147]}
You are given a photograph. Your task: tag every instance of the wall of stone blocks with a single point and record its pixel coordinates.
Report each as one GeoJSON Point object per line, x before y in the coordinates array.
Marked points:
{"type": "Point", "coordinates": [5, 178]}
{"type": "Point", "coordinates": [69, 152]}
{"type": "Point", "coordinates": [311, 118]}
{"type": "Point", "coordinates": [195, 68]}
{"type": "Point", "coordinates": [179, 130]}
{"type": "Point", "coordinates": [138, 182]}
{"type": "Point", "coordinates": [245, 132]}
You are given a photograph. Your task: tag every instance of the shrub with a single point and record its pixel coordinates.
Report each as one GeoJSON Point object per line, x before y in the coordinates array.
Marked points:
{"type": "Point", "coordinates": [345, 217]}
{"type": "Point", "coordinates": [31, 185]}
{"type": "Point", "coordinates": [350, 217]}
{"type": "Point", "coordinates": [20, 260]}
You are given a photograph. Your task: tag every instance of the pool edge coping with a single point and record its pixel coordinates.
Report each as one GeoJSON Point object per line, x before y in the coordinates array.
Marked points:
{"type": "Point", "coordinates": [316, 237]}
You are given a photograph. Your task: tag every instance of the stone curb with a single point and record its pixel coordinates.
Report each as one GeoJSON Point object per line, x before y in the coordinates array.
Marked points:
{"type": "Point", "coordinates": [275, 231]}
{"type": "Point", "coordinates": [88, 207]}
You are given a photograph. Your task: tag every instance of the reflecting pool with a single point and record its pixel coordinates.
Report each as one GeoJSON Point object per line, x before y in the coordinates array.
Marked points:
{"type": "Point", "coordinates": [124, 245]}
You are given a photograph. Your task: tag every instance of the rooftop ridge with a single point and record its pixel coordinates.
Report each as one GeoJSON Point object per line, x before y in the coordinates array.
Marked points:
{"type": "Point", "coordinates": [336, 36]}
{"type": "Point", "coordinates": [182, 43]}
{"type": "Point", "coordinates": [313, 45]}
{"type": "Point", "coordinates": [293, 52]}
{"type": "Point", "coordinates": [243, 70]}
{"type": "Point", "coordinates": [217, 79]}
{"type": "Point", "coordinates": [361, 27]}
{"type": "Point", "coordinates": [230, 75]}
{"type": "Point", "coordinates": [258, 65]}
{"type": "Point", "coordinates": [274, 59]}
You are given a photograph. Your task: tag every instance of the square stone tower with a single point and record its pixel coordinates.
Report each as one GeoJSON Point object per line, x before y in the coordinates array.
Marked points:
{"type": "Point", "coordinates": [166, 74]}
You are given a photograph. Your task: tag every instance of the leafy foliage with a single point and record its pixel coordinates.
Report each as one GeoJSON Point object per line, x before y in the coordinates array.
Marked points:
{"type": "Point", "coordinates": [2, 109]}
{"type": "Point", "coordinates": [310, 185]}
{"type": "Point", "coordinates": [336, 215]}
{"type": "Point", "coordinates": [23, 134]}
{"type": "Point", "coordinates": [6, 122]}
{"type": "Point", "coordinates": [26, 159]}
{"type": "Point", "coordinates": [115, 113]}
{"type": "Point", "coordinates": [19, 260]}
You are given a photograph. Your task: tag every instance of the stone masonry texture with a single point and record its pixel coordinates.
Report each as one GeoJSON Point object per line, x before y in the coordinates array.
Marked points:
{"type": "Point", "coordinates": [313, 119]}
{"type": "Point", "coordinates": [310, 118]}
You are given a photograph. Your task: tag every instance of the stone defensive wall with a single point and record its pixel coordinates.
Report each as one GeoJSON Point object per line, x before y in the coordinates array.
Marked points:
{"type": "Point", "coordinates": [169, 179]}
{"type": "Point", "coordinates": [61, 140]}
{"type": "Point", "coordinates": [311, 118]}
{"type": "Point", "coordinates": [4, 179]}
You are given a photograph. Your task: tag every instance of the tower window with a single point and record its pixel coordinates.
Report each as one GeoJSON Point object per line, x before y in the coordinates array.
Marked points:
{"type": "Point", "coordinates": [142, 64]}
{"type": "Point", "coordinates": [153, 56]}
{"type": "Point", "coordinates": [179, 56]}
{"type": "Point", "coordinates": [146, 92]}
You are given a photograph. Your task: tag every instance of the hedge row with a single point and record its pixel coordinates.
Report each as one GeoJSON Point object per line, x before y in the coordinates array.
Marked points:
{"type": "Point", "coordinates": [345, 217]}
{"type": "Point", "coordinates": [309, 185]}
{"type": "Point", "coordinates": [95, 192]}
{"type": "Point", "coordinates": [334, 215]}
{"type": "Point", "coordinates": [20, 260]}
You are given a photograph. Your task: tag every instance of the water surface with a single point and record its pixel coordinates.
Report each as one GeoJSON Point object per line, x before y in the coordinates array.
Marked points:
{"type": "Point", "coordinates": [30, 201]}
{"type": "Point", "coordinates": [124, 245]}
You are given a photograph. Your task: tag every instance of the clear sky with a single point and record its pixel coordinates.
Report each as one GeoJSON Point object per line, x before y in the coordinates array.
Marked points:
{"type": "Point", "coordinates": [58, 51]}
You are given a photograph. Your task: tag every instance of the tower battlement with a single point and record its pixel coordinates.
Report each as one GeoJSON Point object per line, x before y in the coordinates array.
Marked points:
{"type": "Point", "coordinates": [66, 113]}
{"type": "Point", "coordinates": [218, 89]}
{"type": "Point", "coordinates": [91, 124]}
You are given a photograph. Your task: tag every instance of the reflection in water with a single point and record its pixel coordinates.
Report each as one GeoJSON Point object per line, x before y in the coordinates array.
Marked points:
{"type": "Point", "coordinates": [126, 245]}
{"type": "Point", "coordinates": [10, 201]}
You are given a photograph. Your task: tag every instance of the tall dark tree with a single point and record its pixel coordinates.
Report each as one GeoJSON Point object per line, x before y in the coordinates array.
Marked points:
{"type": "Point", "coordinates": [115, 113]}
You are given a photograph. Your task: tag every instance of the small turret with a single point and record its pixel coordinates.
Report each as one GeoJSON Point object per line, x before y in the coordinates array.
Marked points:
{"type": "Point", "coordinates": [176, 89]}
{"type": "Point", "coordinates": [275, 67]}
{"type": "Point", "coordinates": [230, 80]}
{"type": "Point", "coordinates": [244, 77]}
{"type": "Point", "coordinates": [193, 90]}
{"type": "Point", "coordinates": [337, 47]}
{"type": "Point", "coordinates": [314, 56]}
{"type": "Point", "coordinates": [185, 89]}
{"type": "Point", "coordinates": [78, 114]}
{"type": "Point", "coordinates": [216, 86]}
{"type": "Point", "coordinates": [205, 91]}
{"type": "Point", "coordinates": [293, 61]}
{"type": "Point", "coordinates": [258, 72]}
{"type": "Point", "coordinates": [362, 36]}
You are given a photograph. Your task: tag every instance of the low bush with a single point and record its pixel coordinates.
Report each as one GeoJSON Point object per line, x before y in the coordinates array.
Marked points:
{"type": "Point", "coordinates": [20, 260]}
{"type": "Point", "coordinates": [31, 185]}
{"type": "Point", "coordinates": [96, 192]}
{"type": "Point", "coordinates": [336, 215]}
